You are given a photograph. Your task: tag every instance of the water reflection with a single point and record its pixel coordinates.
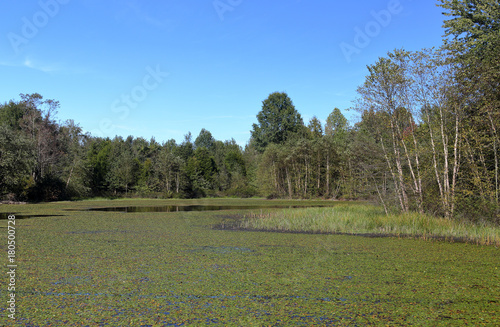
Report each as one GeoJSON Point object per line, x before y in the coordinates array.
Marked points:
{"type": "Point", "coordinates": [173, 208]}
{"type": "Point", "coordinates": [5, 215]}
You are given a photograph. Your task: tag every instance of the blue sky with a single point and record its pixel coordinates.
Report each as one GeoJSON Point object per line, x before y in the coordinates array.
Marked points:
{"type": "Point", "coordinates": [164, 68]}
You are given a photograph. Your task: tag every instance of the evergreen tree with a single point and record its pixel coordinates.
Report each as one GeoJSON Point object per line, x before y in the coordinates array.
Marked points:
{"type": "Point", "coordinates": [277, 121]}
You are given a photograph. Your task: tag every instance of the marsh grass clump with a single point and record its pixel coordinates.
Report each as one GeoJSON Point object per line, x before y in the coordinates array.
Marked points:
{"type": "Point", "coordinates": [369, 219]}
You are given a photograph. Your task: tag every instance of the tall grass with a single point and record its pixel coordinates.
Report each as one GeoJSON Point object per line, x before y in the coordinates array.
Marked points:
{"type": "Point", "coordinates": [367, 219]}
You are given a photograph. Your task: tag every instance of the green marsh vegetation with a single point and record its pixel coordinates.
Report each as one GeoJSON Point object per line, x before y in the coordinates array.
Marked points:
{"type": "Point", "coordinates": [96, 268]}
{"type": "Point", "coordinates": [369, 219]}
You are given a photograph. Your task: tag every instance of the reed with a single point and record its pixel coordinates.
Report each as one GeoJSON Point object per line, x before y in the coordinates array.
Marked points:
{"type": "Point", "coordinates": [368, 219]}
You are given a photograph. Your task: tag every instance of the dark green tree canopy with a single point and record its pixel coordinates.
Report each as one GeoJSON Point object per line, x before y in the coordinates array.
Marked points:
{"type": "Point", "coordinates": [474, 25]}
{"type": "Point", "coordinates": [315, 127]}
{"type": "Point", "coordinates": [11, 113]}
{"type": "Point", "coordinates": [336, 123]}
{"type": "Point", "coordinates": [277, 121]}
{"type": "Point", "coordinates": [202, 170]}
{"type": "Point", "coordinates": [205, 139]}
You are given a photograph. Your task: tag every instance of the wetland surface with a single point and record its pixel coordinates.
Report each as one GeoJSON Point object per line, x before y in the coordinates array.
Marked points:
{"type": "Point", "coordinates": [107, 268]}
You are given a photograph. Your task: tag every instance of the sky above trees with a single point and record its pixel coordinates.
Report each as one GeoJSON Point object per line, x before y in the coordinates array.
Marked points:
{"type": "Point", "coordinates": [163, 68]}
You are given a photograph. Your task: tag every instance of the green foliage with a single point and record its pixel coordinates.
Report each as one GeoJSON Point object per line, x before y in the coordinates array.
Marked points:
{"type": "Point", "coordinates": [473, 39]}
{"type": "Point", "coordinates": [202, 172]}
{"type": "Point", "coordinates": [49, 188]}
{"type": "Point", "coordinates": [11, 114]}
{"type": "Point", "coordinates": [277, 121]}
{"type": "Point", "coordinates": [473, 27]}
{"type": "Point", "coordinates": [82, 165]}
{"type": "Point", "coordinates": [301, 169]}
{"type": "Point", "coordinates": [75, 171]}
{"type": "Point", "coordinates": [235, 163]}
{"type": "Point", "coordinates": [99, 161]}
{"type": "Point", "coordinates": [185, 149]}
{"type": "Point", "coordinates": [336, 123]}
{"type": "Point", "coordinates": [205, 140]}
{"type": "Point", "coordinates": [315, 127]}
{"type": "Point", "coordinates": [122, 172]}
{"type": "Point", "coordinates": [16, 161]}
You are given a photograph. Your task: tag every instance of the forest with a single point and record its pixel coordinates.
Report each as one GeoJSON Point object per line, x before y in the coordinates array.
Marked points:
{"type": "Point", "coordinates": [427, 141]}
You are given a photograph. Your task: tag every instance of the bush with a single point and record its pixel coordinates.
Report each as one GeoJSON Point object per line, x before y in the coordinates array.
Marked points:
{"type": "Point", "coordinates": [50, 188]}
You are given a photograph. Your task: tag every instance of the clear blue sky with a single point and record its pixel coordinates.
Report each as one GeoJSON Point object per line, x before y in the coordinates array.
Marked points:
{"type": "Point", "coordinates": [164, 68]}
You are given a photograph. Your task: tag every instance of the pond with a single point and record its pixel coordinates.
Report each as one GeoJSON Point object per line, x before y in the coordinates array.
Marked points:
{"type": "Point", "coordinates": [167, 208]}
{"type": "Point", "coordinates": [176, 208]}
{"type": "Point", "coordinates": [5, 215]}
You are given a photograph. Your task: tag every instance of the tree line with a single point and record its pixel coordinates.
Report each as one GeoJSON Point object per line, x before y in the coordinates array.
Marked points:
{"type": "Point", "coordinates": [43, 160]}
{"type": "Point", "coordinates": [427, 140]}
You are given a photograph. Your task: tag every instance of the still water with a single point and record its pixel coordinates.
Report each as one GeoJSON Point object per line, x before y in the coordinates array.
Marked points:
{"type": "Point", "coordinates": [170, 208]}
{"type": "Point", "coordinates": [173, 208]}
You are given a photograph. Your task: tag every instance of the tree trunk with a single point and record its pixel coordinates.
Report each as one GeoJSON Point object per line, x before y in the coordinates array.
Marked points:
{"type": "Point", "coordinates": [289, 183]}
{"type": "Point", "coordinates": [495, 153]}
{"type": "Point", "coordinates": [379, 194]}
{"type": "Point", "coordinates": [417, 180]}
{"type": "Point", "coordinates": [434, 159]}
{"type": "Point", "coordinates": [177, 182]}
{"type": "Point", "coordinates": [168, 180]}
{"type": "Point", "coordinates": [328, 174]}
{"type": "Point", "coordinates": [318, 187]}
{"type": "Point", "coordinates": [396, 185]}
{"type": "Point", "coordinates": [275, 173]}
{"type": "Point", "coordinates": [307, 177]}
{"type": "Point", "coordinates": [446, 170]}
{"type": "Point", "coordinates": [456, 163]}
{"type": "Point", "coordinates": [399, 167]}
{"type": "Point", "coordinates": [70, 173]}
